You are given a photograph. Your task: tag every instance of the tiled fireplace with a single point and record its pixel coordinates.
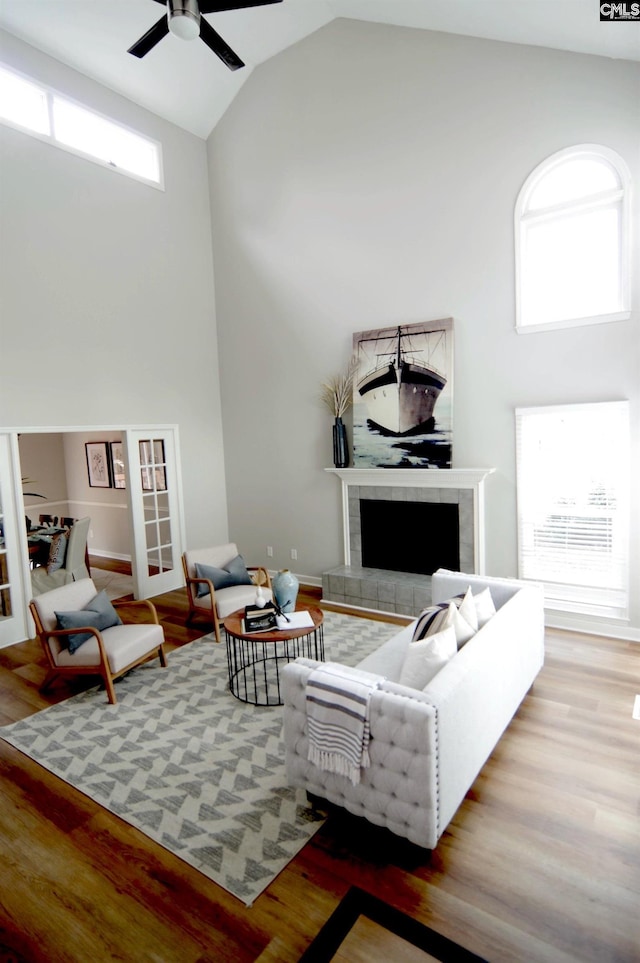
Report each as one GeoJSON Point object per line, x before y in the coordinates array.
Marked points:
{"type": "Point", "coordinates": [400, 525]}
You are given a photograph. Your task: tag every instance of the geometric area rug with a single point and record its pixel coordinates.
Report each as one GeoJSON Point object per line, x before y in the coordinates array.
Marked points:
{"type": "Point", "coordinates": [186, 763]}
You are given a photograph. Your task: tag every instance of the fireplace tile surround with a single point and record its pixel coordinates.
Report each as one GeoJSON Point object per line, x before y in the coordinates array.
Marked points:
{"type": "Point", "coordinates": [403, 593]}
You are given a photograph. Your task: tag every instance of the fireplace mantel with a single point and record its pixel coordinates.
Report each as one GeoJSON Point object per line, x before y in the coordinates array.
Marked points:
{"type": "Point", "coordinates": [414, 477]}
{"type": "Point", "coordinates": [454, 481]}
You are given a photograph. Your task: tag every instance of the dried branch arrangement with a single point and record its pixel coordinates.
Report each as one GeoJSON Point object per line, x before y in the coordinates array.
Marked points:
{"type": "Point", "coordinates": [337, 392]}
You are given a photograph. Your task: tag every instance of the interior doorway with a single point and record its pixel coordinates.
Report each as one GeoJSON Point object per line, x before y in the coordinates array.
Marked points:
{"type": "Point", "coordinates": [126, 479]}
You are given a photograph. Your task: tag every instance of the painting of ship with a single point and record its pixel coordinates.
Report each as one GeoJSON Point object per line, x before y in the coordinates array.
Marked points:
{"type": "Point", "coordinates": [403, 396]}
{"type": "Point", "coordinates": [402, 390]}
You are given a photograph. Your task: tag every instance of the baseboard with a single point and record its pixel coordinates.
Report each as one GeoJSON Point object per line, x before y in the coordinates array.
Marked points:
{"type": "Point", "coordinates": [103, 553]}
{"type": "Point", "coordinates": [590, 626]}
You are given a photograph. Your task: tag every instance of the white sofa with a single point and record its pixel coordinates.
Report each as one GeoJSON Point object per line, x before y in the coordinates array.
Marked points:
{"type": "Point", "coordinates": [427, 746]}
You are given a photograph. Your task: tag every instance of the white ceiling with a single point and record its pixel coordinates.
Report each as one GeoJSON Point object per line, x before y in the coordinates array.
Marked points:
{"type": "Point", "coordinates": [185, 82]}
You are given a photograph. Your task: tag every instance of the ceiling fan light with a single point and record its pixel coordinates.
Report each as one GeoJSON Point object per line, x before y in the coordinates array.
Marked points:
{"type": "Point", "coordinates": [184, 26]}
{"type": "Point", "coordinates": [184, 19]}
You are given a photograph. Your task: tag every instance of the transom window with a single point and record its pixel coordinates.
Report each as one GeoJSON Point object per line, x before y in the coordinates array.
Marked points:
{"type": "Point", "coordinates": [572, 240]}
{"type": "Point", "coordinates": [45, 114]}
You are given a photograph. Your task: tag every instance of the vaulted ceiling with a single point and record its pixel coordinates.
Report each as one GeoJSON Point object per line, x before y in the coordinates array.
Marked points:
{"type": "Point", "coordinates": [185, 82]}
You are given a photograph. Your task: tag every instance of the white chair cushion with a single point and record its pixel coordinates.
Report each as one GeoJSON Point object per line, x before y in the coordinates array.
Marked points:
{"type": "Point", "coordinates": [124, 644]}
{"type": "Point", "coordinates": [235, 597]}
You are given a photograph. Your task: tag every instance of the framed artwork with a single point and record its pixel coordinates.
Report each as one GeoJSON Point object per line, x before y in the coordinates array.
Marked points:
{"type": "Point", "coordinates": [153, 465]}
{"type": "Point", "coordinates": [117, 465]}
{"type": "Point", "coordinates": [98, 464]}
{"type": "Point", "coordinates": [403, 396]}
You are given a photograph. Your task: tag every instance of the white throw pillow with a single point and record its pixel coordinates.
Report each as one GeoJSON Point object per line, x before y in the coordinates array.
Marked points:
{"type": "Point", "coordinates": [485, 609]}
{"type": "Point", "coordinates": [463, 630]}
{"type": "Point", "coordinates": [467, 610]}
{"type": "Point", "coordinates": [426, 657]}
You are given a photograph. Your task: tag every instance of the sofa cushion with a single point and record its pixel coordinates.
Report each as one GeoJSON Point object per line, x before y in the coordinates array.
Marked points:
{"type": "Point", "coordinates": [99, 613]}
{"type": "Point", "coordinates": [426, 657]}
{"type": "Point", "coordinates": [234, 573]}
{"type": "Point", "coordinates": [454, 612]}
{"type": "Point", "coordinates": [485, 609]}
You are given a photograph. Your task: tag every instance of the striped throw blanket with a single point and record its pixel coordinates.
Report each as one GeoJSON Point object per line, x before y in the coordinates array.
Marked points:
{"type": "Point", "coordinates": [338, 718]}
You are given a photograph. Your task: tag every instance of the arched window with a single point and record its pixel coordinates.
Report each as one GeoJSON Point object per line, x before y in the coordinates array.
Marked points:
{"type": "Point", "coordinates": [572, 240]}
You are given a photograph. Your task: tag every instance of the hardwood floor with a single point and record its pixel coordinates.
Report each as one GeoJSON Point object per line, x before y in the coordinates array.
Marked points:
{"type": "Point", "coordinates": [541, 862]}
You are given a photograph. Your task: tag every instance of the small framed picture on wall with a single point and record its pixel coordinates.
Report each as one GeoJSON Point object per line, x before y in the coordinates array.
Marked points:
{"type": "Point", "coordinates": [117, 465]}
{"type": "Point", "coordinates": [98, 464]}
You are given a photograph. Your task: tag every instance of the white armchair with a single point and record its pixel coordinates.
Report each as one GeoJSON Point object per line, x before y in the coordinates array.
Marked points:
{"type": "Point", "coordinates": [106, 651]}
{"type": "Point", "coordinates": [219, 583]}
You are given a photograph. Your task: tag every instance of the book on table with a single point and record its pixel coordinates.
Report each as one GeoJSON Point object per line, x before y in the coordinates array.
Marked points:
{"type": "Point", "coordinates": [294, 620]}
{"type": "Point", "coordinates": [259, 619]}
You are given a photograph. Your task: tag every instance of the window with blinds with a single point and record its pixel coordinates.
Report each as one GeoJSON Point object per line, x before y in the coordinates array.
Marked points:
{"type": "Point", "coordinates": [573, 496]}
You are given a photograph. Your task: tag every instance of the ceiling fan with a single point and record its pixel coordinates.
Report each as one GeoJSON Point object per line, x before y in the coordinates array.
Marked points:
{"type": "Point", "coordinates": [184, 19]}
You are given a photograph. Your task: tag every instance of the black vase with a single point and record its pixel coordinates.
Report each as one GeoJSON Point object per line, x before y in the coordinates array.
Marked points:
{"type": "Point", "coordinates": [340, 450]}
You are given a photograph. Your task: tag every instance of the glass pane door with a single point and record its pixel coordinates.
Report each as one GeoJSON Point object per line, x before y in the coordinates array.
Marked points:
{"type": "Point", "coordinates": [13, 616]}
{"type": "Point", "coordinates": [155, 511]}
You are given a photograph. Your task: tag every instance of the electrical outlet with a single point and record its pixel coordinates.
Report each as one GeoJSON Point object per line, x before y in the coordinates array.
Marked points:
{"type": "Point", "coordinates": [269, 551]}
{"type": "Point", "coordinates": [90, 533]}
{"type": "Point", "coordinates": [636, 708]}
{"type": "Point", "coordinates": [294, 553]}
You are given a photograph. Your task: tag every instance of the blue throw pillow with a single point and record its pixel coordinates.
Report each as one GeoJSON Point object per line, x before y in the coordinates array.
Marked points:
{"type": "Point", "coordinates": [99, 613]}
{"type": "Point", "coordinates": [235, 573]}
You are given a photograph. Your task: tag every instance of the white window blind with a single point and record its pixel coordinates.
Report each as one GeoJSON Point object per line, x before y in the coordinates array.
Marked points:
{"type": "Point", "coordinates": [573, 495]}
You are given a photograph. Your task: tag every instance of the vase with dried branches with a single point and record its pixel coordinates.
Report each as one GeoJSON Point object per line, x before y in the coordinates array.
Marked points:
{"type": "Point", "coordinates": [337, 395]}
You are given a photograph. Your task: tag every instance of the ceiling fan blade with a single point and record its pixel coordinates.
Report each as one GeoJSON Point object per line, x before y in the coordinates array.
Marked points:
{"type": "Point", "coordinates": [218, 45]}
{"type": "Point", "coordinates": [216, 6]}
{"type": "Point", "coordinates": [150, 39]}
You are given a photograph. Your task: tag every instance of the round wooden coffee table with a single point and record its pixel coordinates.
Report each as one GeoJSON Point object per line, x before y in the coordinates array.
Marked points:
{"type": "Point", "coordinates": [254, 659]}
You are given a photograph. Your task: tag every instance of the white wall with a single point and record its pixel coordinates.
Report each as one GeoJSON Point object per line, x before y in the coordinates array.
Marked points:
{"type": "Point", "coordinates": [367, 176]}
{"type": "Point", "coordinates": [107, 310]}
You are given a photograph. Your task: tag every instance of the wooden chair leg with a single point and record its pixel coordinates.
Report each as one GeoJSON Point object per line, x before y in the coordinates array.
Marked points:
{"type": "Point", "coordinates": [162, 656]}
{"type": "Point", "coordinates": [216, 627]}
{"type": "Point", "coordinates": [108, 684]}
{"type": "Point", "coordinates": [48, 682]}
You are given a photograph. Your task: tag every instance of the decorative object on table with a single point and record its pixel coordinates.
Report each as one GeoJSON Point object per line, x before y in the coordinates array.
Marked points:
{"type": "Point", "coordinates": [98, 464]}
{"type": "Point", "coordinates": [403, 396]}
{"type": "Point", "coordinates": [285, 590]}
{"type": "Point", "coordinates": [261, 599]}
{"type": "Point", "coordinates": [337, 395]}
{"type": "Point", "coordinates": [259, 620]}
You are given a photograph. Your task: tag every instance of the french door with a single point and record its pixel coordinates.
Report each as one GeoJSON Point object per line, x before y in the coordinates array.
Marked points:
{"type": "Point", "coordinates": [155, 506]}
{"type": "Point", "coordinates": [155, 510]}
{"type": "Point", "coordinates": [13, 558]}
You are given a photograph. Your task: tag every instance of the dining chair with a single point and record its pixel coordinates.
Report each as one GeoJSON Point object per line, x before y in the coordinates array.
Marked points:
{"type": "Point", "coordinates": [48, 520]}
{"type": "Point", "coordinates": [67, 567]}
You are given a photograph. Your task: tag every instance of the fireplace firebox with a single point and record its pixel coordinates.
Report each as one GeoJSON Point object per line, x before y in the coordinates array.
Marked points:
{"type": "Point", "coordinates": [412, 536]}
